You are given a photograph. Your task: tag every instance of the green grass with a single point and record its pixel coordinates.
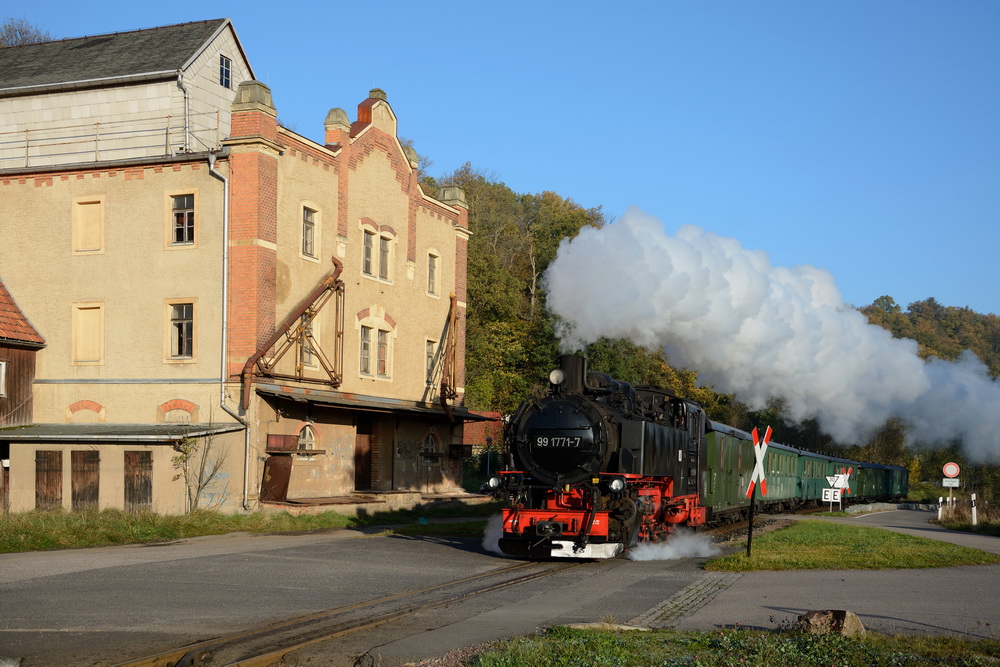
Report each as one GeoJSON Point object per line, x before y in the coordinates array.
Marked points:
{"type": "Point", "coordinates": [810, 545]}
{"type": "Point", "coordinates": [42, 530]}
{"type": "Point", "coordinates": [566, 647]}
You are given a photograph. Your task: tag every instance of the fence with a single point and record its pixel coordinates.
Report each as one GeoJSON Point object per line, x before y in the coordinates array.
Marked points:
{"type": "Point", "coordinates": [111, 140]}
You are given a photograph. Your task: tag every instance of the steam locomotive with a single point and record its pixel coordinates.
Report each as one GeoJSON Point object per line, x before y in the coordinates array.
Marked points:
{"type": "Point", "coordinates": [598, 466]}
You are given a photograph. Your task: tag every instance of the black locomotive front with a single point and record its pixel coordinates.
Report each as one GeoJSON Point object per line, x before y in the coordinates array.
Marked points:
{"type": "Point", "coordinates": [593, 466]}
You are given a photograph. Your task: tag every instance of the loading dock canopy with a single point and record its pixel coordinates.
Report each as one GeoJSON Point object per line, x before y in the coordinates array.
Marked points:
{"type": "Point", "coordinates": [105, 433]}
{"type": "Point", "coordinates": [364, 403]}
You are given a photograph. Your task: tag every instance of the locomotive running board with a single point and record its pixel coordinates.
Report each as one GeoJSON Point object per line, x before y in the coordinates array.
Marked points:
{"type": "Point", "coordinates": [565, 550]}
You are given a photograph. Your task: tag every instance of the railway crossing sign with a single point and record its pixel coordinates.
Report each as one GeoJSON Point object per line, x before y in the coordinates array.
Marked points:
{"type": "Point", "coordinates": [759, 448]}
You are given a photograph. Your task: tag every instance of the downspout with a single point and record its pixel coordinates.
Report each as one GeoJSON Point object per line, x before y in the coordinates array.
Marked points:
{"type": "Point", "coordinates": [224, 374]}
{"type": "Point", "coordinates": [187, 125]}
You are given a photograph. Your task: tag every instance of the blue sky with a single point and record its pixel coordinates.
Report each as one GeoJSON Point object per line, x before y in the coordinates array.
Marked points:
{"type": "Point", "coordinates": [860, 137]}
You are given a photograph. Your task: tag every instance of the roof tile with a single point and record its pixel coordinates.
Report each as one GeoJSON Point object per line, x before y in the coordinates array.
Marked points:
{"type": "Point", "coordinates": [13, 324]}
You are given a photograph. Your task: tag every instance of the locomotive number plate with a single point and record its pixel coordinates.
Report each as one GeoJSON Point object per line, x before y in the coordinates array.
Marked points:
{"type": "Point", "coordinates": [558, 441]}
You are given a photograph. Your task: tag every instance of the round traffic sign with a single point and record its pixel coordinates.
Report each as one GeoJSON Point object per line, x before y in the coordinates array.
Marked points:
{"type": "Point", "coordinates": [951, 470]}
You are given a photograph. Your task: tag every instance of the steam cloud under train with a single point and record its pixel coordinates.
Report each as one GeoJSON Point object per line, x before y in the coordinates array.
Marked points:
{"type": "Point", "coordinates": [759, 331]}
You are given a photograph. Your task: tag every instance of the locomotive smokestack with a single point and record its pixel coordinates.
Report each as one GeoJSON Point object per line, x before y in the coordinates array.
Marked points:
{"type": "Point", "coordinates": [574, 367]}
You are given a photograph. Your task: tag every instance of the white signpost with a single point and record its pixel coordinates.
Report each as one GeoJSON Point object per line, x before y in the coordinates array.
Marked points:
{"type": "Point", "coordinates": [950, 481]}
{"type": "Point", "coordinates": [837, 483]}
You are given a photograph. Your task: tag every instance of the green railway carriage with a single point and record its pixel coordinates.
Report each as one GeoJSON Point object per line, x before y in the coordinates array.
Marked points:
{"type": "Point", "coordinates": [794, 477]}
{"type": "Point", "coordinates": [728, 460]}
{"type": "Point", "coordinates": [813, 470]}
{"type": "Point", "coordinates": [781, 473]}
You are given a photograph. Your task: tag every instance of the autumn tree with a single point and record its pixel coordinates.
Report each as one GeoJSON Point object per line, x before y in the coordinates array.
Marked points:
{"type": "Point", "coordinates": [510, 340]}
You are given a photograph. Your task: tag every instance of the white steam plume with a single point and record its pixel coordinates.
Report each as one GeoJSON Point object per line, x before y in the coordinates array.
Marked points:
{"type": "Point", "coordinates": [759, 331]}
{"type": "Point", "coordinates": [492, 535]}
{"type": "Point", "coordinates": [681, 544]}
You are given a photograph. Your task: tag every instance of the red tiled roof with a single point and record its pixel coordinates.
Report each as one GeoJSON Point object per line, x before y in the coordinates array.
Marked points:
{"type": "Point", "coordinates": [13, 324]}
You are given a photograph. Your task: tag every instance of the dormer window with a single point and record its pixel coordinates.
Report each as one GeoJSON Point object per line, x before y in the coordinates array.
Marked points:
{"type": "Point", "coordinates": [225, 72]}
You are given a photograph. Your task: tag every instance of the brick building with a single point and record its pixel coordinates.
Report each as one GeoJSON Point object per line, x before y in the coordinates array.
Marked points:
{"type": "Point", "coordinates": [204, 276]}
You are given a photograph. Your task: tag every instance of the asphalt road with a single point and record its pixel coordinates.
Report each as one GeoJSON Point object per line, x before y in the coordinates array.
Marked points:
{"type": "Point", "coordinates": [956, 600]}
{"type": "Point", "coordinates": [103, 606]}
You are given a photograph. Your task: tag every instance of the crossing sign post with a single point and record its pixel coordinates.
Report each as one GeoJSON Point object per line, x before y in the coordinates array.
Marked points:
{"type": "Point", "coordinates": [757, 478]}
{"type": "Point", "coordinates": [839, 485]}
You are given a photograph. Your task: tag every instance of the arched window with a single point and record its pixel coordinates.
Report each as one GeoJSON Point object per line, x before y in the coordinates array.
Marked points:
{"type": "Point", "coordinates": [307, 438]}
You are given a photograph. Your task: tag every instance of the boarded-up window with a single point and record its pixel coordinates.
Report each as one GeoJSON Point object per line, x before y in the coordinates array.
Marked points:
{"type": "Point", "coordinates": [85, 476]}
{"type": "Point", "coordinates": [88, 226]}
{"type": "Point", "coordinates": [48, 480]}
{"type": "Point", "coordinates": [88, 333]}
{"type": "Point", "coordinates": [138, 481]}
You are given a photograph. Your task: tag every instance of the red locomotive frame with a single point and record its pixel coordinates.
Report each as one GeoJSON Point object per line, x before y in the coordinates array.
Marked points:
{"type": "Point", "coordinates": [568, 521]}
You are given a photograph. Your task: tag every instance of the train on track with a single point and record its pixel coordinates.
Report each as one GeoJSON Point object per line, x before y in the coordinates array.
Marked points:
{"type": "Point", "coordinates": [598, 466]}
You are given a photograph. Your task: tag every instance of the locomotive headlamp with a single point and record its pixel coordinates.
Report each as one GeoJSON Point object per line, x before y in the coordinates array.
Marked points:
{"type": "Point", "coordinates": [493, 482]}
{"type": "Point", "coordinates": [557, 376]}
{"type": "Point", "coordinates": [617, 484]}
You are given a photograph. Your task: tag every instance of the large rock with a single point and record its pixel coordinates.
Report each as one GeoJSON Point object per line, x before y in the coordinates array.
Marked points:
{"type": "Point", "coordinates": [842, 622]}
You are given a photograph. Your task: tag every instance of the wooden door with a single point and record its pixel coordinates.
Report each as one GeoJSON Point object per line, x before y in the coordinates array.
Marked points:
{"type": "Point", "coordinates": [48, 480]}
{"type": "Point", "coordinates": [85, 478]}
{"type": "Point", "coordinates": [138, 481]}
{"type": "Point", "coordinates": [363, 455]}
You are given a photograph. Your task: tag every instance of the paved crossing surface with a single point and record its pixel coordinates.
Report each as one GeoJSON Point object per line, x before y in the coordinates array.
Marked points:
{"type": "Point", "coordinates": [956, 600]}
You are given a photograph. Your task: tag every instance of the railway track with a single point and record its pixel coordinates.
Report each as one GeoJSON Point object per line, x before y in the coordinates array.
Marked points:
{"type": "Point", "coordinates": [268, 644]}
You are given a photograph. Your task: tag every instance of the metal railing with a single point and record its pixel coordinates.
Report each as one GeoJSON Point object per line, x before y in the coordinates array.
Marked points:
{"type": "Point", "coordinates": [110, 140]}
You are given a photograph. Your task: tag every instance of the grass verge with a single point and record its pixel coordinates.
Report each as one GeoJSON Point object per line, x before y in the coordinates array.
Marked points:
{"type": "Point", "coordinates": [822, 545]}
{"type": "Point", "coordinates": [41, 530]}
{"type": "Point", "coordinates": [564, 647]}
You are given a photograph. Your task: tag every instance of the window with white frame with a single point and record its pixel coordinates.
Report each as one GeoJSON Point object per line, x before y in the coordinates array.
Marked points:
{"type": "Point", "coordinates": [308, 232]}
{"type": "Point", "coordinates": [181, 330]}
{"type": "Point", "coordinates": [365, 364]}
{"type": "Point", "coordinates": [182, 214]}
{"type": "Point", "coordinates": [383, 353]}
{"type": "Point", "coordinates": [366, 260]}
{"type": "Point", "coordinates": [376, 258]}
{"type": "Point", "coordinates": [307, 356]}
{"type": "Point", "coordinates": [431, 352]}
{"type": "Point", "coordinates": [3, 379]}
{"type": "Point", "coordinates": [307, 438]}
{"type": "Point", "coordinates": [432, 270]}
{"type": "Point", "coordinates": [225, 72]}
{"type": "Point", "coordinates": [383, 258]}
{"type": "Point", "coordinates": [376, 352]}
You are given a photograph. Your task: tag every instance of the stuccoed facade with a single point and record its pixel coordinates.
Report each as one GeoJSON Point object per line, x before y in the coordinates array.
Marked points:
{"type": "Point", "coordinates": [253, 292]}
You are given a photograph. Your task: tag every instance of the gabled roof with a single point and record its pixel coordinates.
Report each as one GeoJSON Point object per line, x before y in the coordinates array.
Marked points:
{"type": "Point", "coordinates": [91, 60]}
{"type": "Point", "coordinates": [14, 326]}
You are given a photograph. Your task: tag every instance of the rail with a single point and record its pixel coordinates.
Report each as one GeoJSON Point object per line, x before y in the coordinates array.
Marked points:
{"type": "Point", "coordinates": [110, 140]}
{"type": "Point", "coordinates": [268, 645]}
